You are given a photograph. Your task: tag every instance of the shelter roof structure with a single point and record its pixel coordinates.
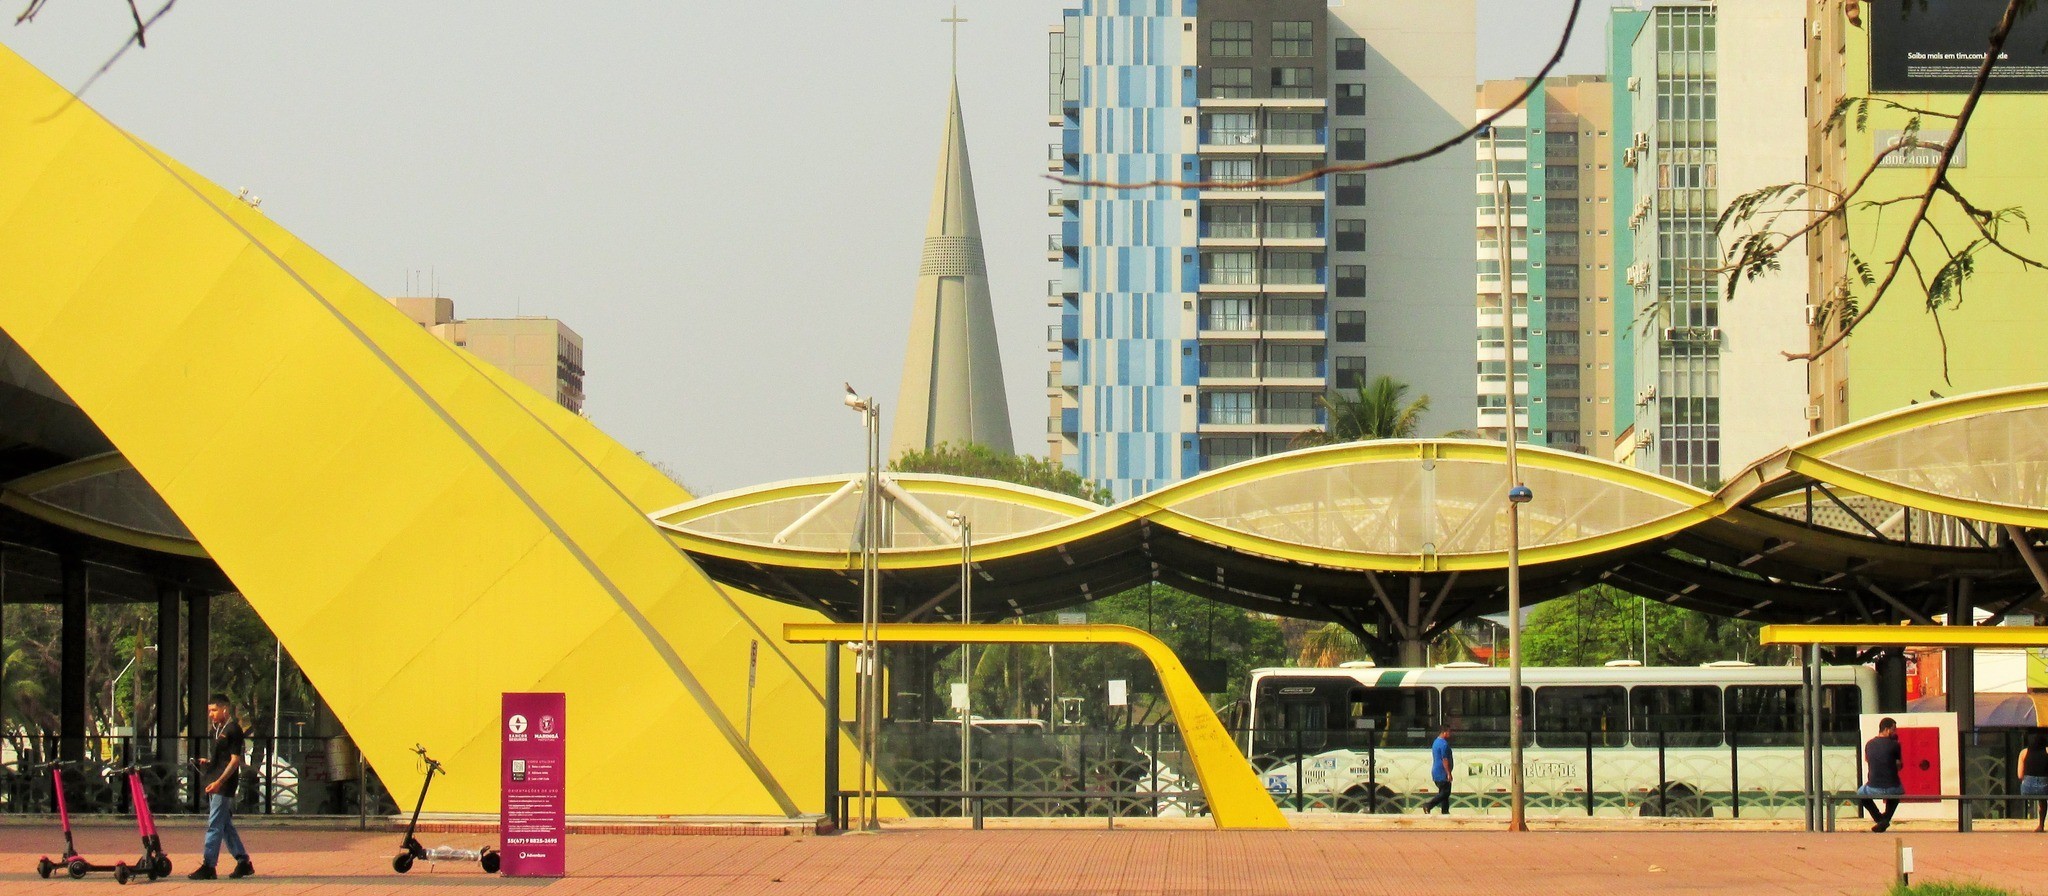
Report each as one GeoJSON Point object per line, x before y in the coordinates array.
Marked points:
{"type": "Point", "coordinates": [1876, 522]}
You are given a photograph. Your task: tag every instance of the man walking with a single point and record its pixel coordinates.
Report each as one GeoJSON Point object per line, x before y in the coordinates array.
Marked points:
{"type": "Point", "coordinates": [220, 772]}
{"type": "Point", "coordinates": [1882, 760]}
{"type": "Point", "coordinates": [1440, 771]}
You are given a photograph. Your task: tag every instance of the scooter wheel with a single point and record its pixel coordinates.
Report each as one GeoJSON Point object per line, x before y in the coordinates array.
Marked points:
{"type": "Point", "coordinates": [402, 862]}
{"type": "Point", "coordinates": [44, 866]}
{"type": "Point", "coordinates": [76, 868]}
{"type": "Point", "coordinates": [163, 866]}
{"type": "Point", "coordinates": [489, 861]}
{"type": "Point", "coordinates": [121, 874]}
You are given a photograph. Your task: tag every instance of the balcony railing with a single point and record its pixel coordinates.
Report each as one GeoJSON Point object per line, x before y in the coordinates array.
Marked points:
{"type": "Point", "coordinates": [1294, 323]}
{"type": "Point", "coordinates": [1230, 322]}
{"type": "Point", "coordinates": [1230, 230]}
{"type": "Point", "coordinates": [1229, 277]}
{"type": "Point", "coordinates": [1230, 136]}
{"type": "Point", "coordinates": [1294, 369]}
{"type": "Point", "coordinates": [1295, 416]}
{"type": "Point", "coordinates": [1237, 369]}
{"type": "Point", "coordinates": [1294, 276]}
{"type": "Point", "coordinates": [1295, 230]}
{"type": "Point", "coordinates": [1226, 416]}
{"type": "Point", "coordinates": [1295, 136]}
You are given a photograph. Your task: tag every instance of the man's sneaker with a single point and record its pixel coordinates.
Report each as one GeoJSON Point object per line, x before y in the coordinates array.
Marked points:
{"type": "Point", "coordinates": [203, 872]}
{"type": "Point", "coordinates": [243, 868]}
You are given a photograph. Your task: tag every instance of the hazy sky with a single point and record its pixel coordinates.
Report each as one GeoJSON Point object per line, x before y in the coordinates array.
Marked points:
{"type": "Point", "coordinates": [725, 200]}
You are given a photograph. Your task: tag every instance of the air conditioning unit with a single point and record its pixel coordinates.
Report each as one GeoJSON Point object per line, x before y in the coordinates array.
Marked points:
{"type": "Point", "coordinates": [1813, 315]}
{"type": "Point", "coordinates": [1635, 83]}
{"type": "Point", "coordinates": [1628, 157]}
{"type": "Point", "coordinates": [1713, 334]}
{"type": "Point", "coordinates": [1643, 440]}
{"type": "Point", "coordinates": [1671, 334]}
{"type": "Point", "coordinates": [1642, 141]}
{"type": "Point", "coordinates": [1646, 396]}
{"type": "Point", "coordinates": [1813, 412]}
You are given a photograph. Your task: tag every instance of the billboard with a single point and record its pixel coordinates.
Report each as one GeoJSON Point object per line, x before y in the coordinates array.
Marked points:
{"type": "Point", "coordinates": [1936, 46]}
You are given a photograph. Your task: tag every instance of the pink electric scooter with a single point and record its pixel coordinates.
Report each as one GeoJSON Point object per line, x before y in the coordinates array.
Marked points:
{"type": "Point", "coordinates": [154, 863]}
{"type": "Point", "coordinates": [72, 863]}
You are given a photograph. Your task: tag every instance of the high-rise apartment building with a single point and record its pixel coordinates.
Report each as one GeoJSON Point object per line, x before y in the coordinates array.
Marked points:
{"type": "Point", "coordinates": [538, 351]}
{"type": "Point", "coordinates": [1554, 154]}
{"type": "Point", "coordinates": [1900, 353]}
{"type": "Point", "coordinates": [1199, 325]}
{"type": "Point", "coordinates": [1711, 118]}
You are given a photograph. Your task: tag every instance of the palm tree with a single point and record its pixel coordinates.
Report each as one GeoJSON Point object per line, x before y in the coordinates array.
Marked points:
{"type": "Point", "coordinates": [1372, 411]}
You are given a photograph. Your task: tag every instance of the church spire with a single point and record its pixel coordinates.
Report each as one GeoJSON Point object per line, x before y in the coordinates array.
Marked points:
{"type": "Point", "coordinates": [952, 373]}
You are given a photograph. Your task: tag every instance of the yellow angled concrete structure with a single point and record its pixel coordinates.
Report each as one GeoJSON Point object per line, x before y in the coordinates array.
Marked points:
{"type": "Point", "coordinates": [421, 533]}
{"type": "Point", "coordinates": [1908, 635]}
{"type": "Point", "coordinates": [1228, 782]}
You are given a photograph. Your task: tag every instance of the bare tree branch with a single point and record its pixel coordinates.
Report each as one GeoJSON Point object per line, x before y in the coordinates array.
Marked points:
{"type": "Point", "coordinates": [1535, 84]}
{"type": "Point", "coordinates": [1948, 152]}
{"type": "Point", "coordinates": [135, 39]}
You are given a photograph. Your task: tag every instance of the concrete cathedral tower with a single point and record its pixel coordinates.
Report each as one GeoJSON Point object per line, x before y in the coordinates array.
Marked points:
{"type": "Point", "coordinates": [952, 372]}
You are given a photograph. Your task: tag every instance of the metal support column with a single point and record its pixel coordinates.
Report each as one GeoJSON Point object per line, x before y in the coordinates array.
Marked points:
{"type": "Point", "coordinates": [1962, 688]}
{"type": "Point", "coordinates": [832, 728]}
{"type": "Point", "coordinates": [1891, 680]}
{"type": "Point", "coordinates": [167, 599]}
{"type": "Point", "coordinates": [71, 662]}
{"type": "Point", "coordinates": [198, 681]}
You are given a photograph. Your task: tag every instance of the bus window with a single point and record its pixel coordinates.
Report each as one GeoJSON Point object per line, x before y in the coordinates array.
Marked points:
{"type": "Point", "coordinates": [1570, 712]}
{"type": "Point", "coordinates": [1764, 715]}
{"type": "Point", "coordinates": [1398, 717]}
{"type": "Point", "coordinates": [1840, 704]}
{"type": "Point", "coordinates": [1478, 716]}
{"type": "Point", "coordinates": [1688, 715]}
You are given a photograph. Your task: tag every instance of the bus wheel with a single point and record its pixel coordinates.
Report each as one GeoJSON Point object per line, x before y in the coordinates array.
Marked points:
{"type": "Point", "coordinates": [1676, 801]}
{"type": "Point", "coordinates": [1380, 799]}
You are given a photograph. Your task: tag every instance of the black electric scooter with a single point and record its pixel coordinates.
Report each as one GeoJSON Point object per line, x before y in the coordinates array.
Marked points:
{"type": "Point", "coordinates": [154, 863]}
{"type": "Point", "coordinates": [413, 851]}
{"type": "Point", "coordinates": [73, 864]}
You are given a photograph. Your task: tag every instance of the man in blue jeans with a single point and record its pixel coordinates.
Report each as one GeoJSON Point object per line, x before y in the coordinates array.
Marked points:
{"type": "Point", "coordinates": [1440, 771]}
{"type": "Point", "coordinates": [1882, 760]}
{"type": "Point", "coordinates": [220, 772]}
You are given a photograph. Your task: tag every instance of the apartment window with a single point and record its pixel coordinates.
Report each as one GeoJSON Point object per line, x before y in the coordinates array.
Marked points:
{"type": "Point", "coordinates": [1350, 189]}
{"type": "Point", "coordinates": [1350, 54]}
{"type": "Point", "coordinates": [1280, 169]}
{"type": "Point", "coordinates": [1351, 281]}
{"type": "Point", "coordinates": [1227, 408]}
{"type": "Point", "coordinates": [1228, 360]}
{"type": "Point", "coordinates": [1294, 222]}
{"type": "Point", "coordinates": [1291, 408]}
{"type": "Point", "coordinates": [1294, 267]}
{"type": "Point", "coordinates": [1350, 99]}
{"type": "Point", "coordinates": [1228, 221]}
{"type": "Point", "coordinates": [1295, 315]}
{"type": "Point", "coordinates": [1350, 373]}
{"type": "Point", "coordinates": [1294, 82]}
{"type": "Point", "coordinates": [1350, 234]}
{"type": "Point", "coordinates": [1226, 171]}
{"type": "Point", "coordinates": [1229, 127]}
{"type": "Point", "coordinates": [1294, 361]}
{"type": "Point", "coordinates": [1230, 83]}
{"type": "Point", "coordinates": [1227, 314]}
{"type": "Point", "coordinates": [1350, 144]}
{"type": "Point", "coordinates": [1230, 39]}
{"type": "Point", "coordinates": [1350, 326]}
{"type": "Point", "coordinates": [1218, 453]}
{"type": "Point", "coordinates": [1293, 39]}
{"type": "Point", "coordinates": [1229, 268]}
{"type": "Point", "coordinates": [1294, 128]}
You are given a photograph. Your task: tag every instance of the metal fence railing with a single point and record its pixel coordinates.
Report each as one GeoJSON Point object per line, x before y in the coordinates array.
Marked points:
{"type": "Point", "coordinates": [281, 776]}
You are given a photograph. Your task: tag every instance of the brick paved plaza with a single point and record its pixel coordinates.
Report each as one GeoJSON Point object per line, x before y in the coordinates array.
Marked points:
{"type": "Point", "coordinates": [1464, 862]}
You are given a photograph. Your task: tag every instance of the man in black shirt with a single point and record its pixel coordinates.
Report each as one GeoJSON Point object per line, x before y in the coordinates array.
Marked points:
{"type": "Point", "coordinates": [220, 772]}
{"type": "Point", "coordinates": [1882, 760]}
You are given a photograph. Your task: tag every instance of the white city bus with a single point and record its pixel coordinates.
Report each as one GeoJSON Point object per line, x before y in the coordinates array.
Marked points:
{"type": "Point", "coordinates": [1649, 740]}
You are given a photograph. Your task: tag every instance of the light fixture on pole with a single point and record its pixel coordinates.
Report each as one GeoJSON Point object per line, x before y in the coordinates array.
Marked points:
{"type": "Point", "coordinates": [868, 706]}
{"type": "Point", "coordinates": [1518, 494]}
{"type": "Point", "coordinates": [117, 680]}
{"type": "Point", "coordinates": [966, 527]}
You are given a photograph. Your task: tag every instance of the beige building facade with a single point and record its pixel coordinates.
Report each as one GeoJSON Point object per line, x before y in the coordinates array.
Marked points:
{"type": "Point", "coordinates": [539, 351]}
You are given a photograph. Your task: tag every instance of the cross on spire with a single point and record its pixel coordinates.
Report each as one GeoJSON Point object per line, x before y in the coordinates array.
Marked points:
{"type": "Point", "coordinates": [956, 21]}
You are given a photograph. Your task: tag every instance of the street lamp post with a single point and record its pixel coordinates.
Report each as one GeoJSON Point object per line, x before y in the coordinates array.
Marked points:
{"type": "Point", "coordinates": [966, 527]}
{"type": "Point", "coordinates": [867, 676]}
{"type": "Point", "coordinates": [1518, 494]}
{"type": "Point", "coordinates": [116, 681]}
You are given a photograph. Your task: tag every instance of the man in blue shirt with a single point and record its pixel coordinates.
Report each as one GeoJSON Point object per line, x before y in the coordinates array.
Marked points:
{"type": "Point", "coordinates": [1440, 771]}
{"type": "Point", "coordinates": [1882, 760]}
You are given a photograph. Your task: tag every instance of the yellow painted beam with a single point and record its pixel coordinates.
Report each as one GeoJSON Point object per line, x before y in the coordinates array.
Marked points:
{"type": "Point", "coordinates": [1232, 788]}
{"type": "Point", "coordinates": [1908, 635]}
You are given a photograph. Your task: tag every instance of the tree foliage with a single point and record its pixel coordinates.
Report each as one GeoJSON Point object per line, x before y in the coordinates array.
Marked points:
{"type": "Point", "coordinates": [1601, 623]}
{"type": "Point", "coordinates": [1375, 410]}
{"type": "Point", "coordinates": [981, 462]}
